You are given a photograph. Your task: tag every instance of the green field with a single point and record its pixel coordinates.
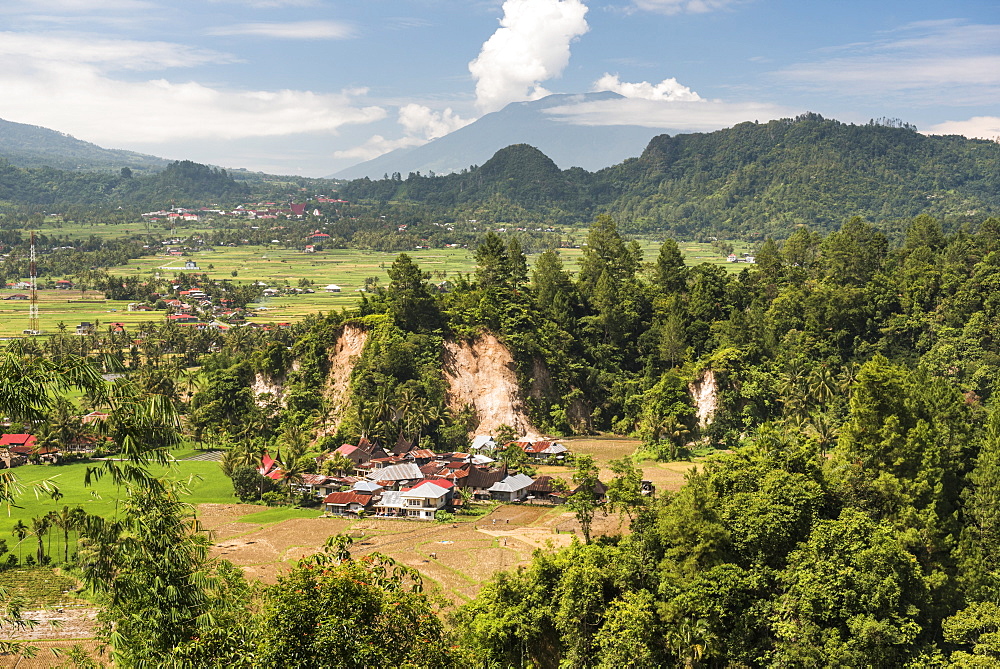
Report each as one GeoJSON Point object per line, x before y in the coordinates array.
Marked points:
{"type": "Point", "coordinates": [204, 480]}
{"type": "Point", "coordinates": [347, 268]}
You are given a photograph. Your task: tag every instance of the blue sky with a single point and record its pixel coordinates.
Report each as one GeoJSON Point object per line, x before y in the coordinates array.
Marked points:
{"type": "Point", "coordinates": [312, 86]}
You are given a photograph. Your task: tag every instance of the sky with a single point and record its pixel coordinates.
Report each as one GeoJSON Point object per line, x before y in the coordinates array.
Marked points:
{"type": "Point", "coordinates": [308, 87]}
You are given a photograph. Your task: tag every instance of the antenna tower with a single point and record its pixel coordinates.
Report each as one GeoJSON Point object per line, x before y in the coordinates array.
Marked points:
{"type": "Point", "coordinates": [33, 279]}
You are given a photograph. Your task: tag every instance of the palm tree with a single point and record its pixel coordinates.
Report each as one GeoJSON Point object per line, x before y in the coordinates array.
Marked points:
{"type": "Point", "coordinates": [824, 431]}
{"type": "Point", "coordinates": [338, 464]}
{"type": "Point", "coordinates": [848, 375]}
{"type": "Point", "coordinates": [690, 639]}
{"type": "Point", "coordinates": [20, 531]}
{"type": "Point", "coordinates": [40, 527]}
{"type": "Point", "coordinates": [419, 417]}
{"type": "Point", "coordinates": [67, 519]}
{"type": "Point", "coordinates": [290, 475]}
{"type": "Point", "coordinates": [822, 385]}
{"type": "Point", "coordinates": [676, 434]}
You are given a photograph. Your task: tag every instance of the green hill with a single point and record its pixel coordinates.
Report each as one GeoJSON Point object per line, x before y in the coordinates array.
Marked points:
{"type": "Point", "coordinates": [182, 181]}
{"type": "Point", "coordinates": [750, 180]}
{"type": "Point", "coordinates": [33, 146]}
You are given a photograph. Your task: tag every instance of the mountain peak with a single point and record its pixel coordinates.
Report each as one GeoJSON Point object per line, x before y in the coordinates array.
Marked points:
{"type": "Point", "coordinates": [589, 147]}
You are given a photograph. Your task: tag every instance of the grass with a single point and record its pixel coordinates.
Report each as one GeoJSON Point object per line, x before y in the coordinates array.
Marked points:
{"type": "Point", "coordinates": [278, 514]}
{"type": "Point", "coordinates": [204, 480]}
{"type": "Point", "coordinates": [277, 266]}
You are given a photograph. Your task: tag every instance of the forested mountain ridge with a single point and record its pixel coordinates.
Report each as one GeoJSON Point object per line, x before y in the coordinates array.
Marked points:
{"type": "Point", "coordinates": [182, 181]}
{"type": "Point", "coordinates": [34, 146]}
{"type": "Point", "coordinates": [759, 179]}
{"type": "Point", "coordinates": [751, 180]}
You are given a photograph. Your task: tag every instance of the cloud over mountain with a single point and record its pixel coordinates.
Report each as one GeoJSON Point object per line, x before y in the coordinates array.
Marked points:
{"type": "Point", "coordinates": [531, 46]}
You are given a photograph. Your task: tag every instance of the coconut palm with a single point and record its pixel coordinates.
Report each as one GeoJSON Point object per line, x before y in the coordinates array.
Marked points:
{"type": "Point", "coordinates": [822, 386]}
{"type": "Point", "coordinates": [32, 381]}
{"type": "Point", "coordinates": [40, 527]}
{"type": "Point", "coordinates": [291, 474]}
{"type": "Point", "coordinates": [67, 519]}
{"type": "Point", "coordinates": [824, 431]}
{"type": "Point", "coordinates": [20, 531]}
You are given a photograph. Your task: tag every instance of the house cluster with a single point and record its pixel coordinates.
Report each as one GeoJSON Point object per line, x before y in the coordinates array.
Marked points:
{"type": "Point", "coordinates": [414, 483]}
{"type": "Point", "coordinates": [260, 210]}
{"type": "Point", "coordinates": [732, 257]}
{"type": "Point", "coordinates": [18, 449]}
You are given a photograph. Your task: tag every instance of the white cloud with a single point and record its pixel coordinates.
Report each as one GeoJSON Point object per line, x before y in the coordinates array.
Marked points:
{"type": "Point", "coordinates": [290, 30]}
{"type": "Point", "coordinates": [421, 125]}
{"type": "Point", "coordinates": [940, 62]}
{"type": "Point", "coordinates": [679, 6]}
{"type": "Point", "coordinates": [107, 53]}
{"type": "Point", "coordinates": [981, 127]}
{"type": "Point", "coordinates": [72, 91]}
{"type": "Point", "coordinates": [530, 47]}
{"type": "Point", "coordinates": [668, 89]}
{"type": "Point", "coordinates": [678, 116]}
{"type": "Point", "coordinates": [376, 146]}
{"type": "Point", "coordinates": [421, 121]}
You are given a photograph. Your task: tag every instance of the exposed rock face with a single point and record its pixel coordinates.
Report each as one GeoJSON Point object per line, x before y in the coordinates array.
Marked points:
{"type": "Point", "coordinates": [705, 395]}
{"type": "Point", "coordinates": [482, 374]}
{"type": "Point", "coordinates": [343, 357]}
{"type": "Point", "coordinates": [263, 384]}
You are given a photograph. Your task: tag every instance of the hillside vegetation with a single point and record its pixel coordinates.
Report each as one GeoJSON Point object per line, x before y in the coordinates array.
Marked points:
{"type": "Point", "coordinates": [751, 180]}
{"type": "Point", "coordinates": [183, 181]}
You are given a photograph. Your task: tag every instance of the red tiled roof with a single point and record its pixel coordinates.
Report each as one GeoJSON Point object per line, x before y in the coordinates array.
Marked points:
{"type": "Point", "coordinates": [17, 440]}
{"type": "Point", "coordinates": [349, 497]}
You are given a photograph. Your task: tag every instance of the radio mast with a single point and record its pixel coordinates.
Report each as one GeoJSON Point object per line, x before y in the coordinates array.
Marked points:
{"type": "Point", "coordinates": [33, 280]}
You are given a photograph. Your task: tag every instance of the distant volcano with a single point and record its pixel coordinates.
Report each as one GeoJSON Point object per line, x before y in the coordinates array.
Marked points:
{"type": "Point", "coordinates": [589, 147]}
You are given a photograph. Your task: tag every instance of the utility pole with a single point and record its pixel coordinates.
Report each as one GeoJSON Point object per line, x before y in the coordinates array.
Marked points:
{"type": "Point", "coordinates": [33, 280]}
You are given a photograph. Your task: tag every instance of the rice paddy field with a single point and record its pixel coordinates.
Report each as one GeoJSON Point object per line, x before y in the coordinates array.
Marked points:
{"type": "Point", "coordinates": [350, 269]}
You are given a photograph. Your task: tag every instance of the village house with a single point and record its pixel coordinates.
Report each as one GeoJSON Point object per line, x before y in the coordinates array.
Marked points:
{"type": "Point", "coordinates": [345, 503]}
{"type": "Point", "coordinates": [543, 490]}
{"type": "Point", "coordinates": [514, 488]}
{"type": "Point", "coordinates": [396, 477]}
{"type": "Point", "coordinates": [423, 500]}
{"type": "Point", "coordinates": [15, 449]}
{"type": "Point", "coordinates": [543, 450]}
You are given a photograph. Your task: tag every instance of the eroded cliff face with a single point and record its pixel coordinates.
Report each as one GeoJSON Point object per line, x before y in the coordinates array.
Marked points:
{"type": "Point", "coordinates": [705, 395]}
{"type": "Point", "coordinates": [343, 357]}
{"type": "Point", "coordinates": [264, 384]}
{"type": "Point", "coordinates": [482, 374]}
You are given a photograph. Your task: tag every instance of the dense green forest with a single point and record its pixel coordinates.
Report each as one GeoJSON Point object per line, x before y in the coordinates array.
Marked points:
{"type": "Point", "coordinates": [183, 181]}
{"type": "Point", "coordinates": [848, 517]}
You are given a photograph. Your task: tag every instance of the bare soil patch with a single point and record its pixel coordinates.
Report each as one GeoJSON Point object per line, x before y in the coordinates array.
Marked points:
{"type": "Point", "coordinates": [666, 476]}
{"type": "Point", "coordinates": [455, 559]}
